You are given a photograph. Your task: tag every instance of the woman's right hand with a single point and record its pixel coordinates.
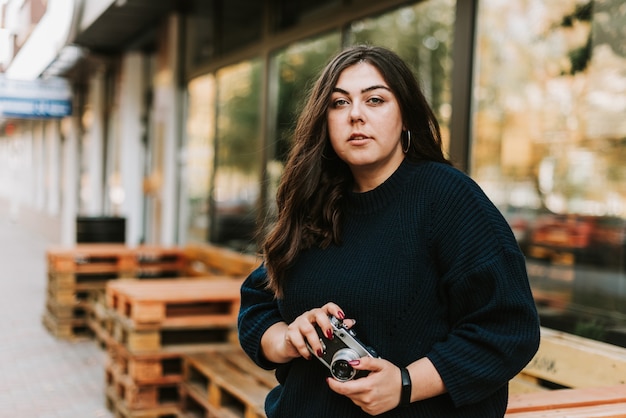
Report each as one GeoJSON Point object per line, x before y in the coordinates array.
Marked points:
{"type": "Point", "coordinates": [283, 342]}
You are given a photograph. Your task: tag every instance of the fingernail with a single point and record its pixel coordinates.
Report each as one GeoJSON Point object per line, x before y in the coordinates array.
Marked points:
{"type": "Point", "coordinates": [341, 315]}
{"type": "Point", "coordinates": [329, 334]}
{"type": "Point", "coordinates": [354, 362]}
{"type": "Point", "coordinates": [320, 353]}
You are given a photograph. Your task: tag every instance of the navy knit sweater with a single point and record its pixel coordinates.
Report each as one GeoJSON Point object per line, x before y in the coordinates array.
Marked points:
{"type": "Point", "coordinates": [428, 267]}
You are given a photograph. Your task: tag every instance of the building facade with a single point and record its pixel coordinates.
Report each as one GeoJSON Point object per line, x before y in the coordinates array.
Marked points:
{"type": "Point", "coordinates": [183, 112]}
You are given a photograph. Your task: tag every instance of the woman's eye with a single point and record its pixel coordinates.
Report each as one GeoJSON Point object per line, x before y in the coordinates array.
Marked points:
{"type": "Point", "coordinates": [340, 102]}
{"type": "Point", "coordinates": [376, 100]}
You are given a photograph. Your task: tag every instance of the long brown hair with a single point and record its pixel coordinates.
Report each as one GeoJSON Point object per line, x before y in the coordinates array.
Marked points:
{"type": "Point", "coordinates": [310, 196]}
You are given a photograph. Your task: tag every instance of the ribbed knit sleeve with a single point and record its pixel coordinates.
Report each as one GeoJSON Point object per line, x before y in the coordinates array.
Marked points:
{"type": "Point", "coordinates": [494, 323]}
{"type": "Point", "coordinates": [258, 311]}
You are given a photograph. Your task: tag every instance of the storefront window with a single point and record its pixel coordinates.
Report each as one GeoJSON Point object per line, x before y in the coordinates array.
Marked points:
{"type": "Point", "coordinates": [237, 178]}
{"type": "Point", "coordinates": [422, 35]}
{"type": "Point", "coordinates": [290, 13]}
{"type": "Point", "coordinates": [549, 145]}
{"type": "Point", "coordinates": [294, 69]}
{"type": "Point", "coordinates": [218, 27]}
{"type": "Point", "coordinates": [199, 155]}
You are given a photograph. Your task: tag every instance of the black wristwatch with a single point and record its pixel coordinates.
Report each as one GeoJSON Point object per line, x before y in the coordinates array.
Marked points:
{"type": "Point", "coordinates": [405, 395]}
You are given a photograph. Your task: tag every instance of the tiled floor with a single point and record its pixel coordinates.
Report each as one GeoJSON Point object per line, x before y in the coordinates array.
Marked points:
{"type": "Point", "coordinates": [40, 376]}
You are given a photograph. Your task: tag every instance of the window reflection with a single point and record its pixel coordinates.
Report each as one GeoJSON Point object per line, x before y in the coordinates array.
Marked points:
{"type": "Point", "coordinates": [237, 175]}
{"type": "Point", "coordinates": [217, 27]}
{"type": "Point", "coordinates": [289, 13]}
{"type": "Point", "coordinates": [549, 145]}
{"type": "Point", "coordinates": [294, 68]}
{"type": "Point", "coordinates": [199, 153]}
{"type": "Point", "coordinates": [422, 35]}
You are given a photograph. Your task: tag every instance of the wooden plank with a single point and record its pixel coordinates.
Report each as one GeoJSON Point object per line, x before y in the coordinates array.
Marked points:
{"type": "Point", "coordinates": [208, 260]}
{"type": "Point", "coordinates": [525, 384]}
{"type": "Point", "coordinates": [577, 362]}
{"type": "Point", "coordinates": [85, 257]}
{"type": "Point", "coordinates": [567, 398]}
{"type": "Point", "coordinates": [617, 410]}
{"type": "Point", "coordinates": [189, 338]}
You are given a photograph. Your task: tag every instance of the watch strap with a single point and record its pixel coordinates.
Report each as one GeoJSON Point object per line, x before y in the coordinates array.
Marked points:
{"type": "Point", "coordinates": [405, 394]}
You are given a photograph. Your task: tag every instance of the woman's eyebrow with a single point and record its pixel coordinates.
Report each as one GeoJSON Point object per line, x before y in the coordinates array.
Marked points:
{"type": "Point", "coordinates": [365, 90]}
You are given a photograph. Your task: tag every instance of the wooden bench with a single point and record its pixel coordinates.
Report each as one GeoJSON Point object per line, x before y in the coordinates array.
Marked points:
{"type": "Point", "coordinates": [208, 260]}
{"type": "Point", "coordinates": [589, 377]}
{"type": "Point", "coordinates": [607, 401]}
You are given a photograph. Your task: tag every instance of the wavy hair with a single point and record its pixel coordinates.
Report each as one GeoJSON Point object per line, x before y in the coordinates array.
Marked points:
{"type": "Point", "coordinates": [311, 194]}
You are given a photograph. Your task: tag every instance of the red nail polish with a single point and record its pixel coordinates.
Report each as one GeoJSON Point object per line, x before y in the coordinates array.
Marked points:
{"type": "Point", "coordinates": [320, 353]}
{"type": "Point", "coordinates": [354, 362]}
{"type": "Point", "coordinates": [329, 334]}
{"type": "Point", "coordinates": [341, 315]}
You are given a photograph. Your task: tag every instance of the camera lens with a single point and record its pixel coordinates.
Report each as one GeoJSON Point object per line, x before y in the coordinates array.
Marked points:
{"type": "Point", "coordinates": [340, 367]}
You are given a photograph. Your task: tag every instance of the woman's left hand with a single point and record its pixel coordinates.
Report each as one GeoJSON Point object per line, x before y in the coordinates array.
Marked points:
{"type": "Point", "coordinates": [376, 393]}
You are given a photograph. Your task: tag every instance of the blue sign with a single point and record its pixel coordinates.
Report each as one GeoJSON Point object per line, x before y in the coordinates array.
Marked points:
{"type": "Point", "coordinates": [50, 98]}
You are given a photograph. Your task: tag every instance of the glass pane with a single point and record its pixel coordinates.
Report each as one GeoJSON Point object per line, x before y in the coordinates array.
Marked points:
{"type": "Point", "coordinates": [293, 70]}
{"type": "Point", "coordinates": [422, 35]}
{"type": "Point", "coordinates": [200, 129]}
{"type": "Point", "coordinates": [201, 23]}
{"type": "Point", "coordinates": [241, 23]}
{"type": "Point", "coordinates": [217, 27]}
{"type": "Point", "coordinates": [238, 166]}
{"type": "Point", "coordinates": [289, 13]}
{"type": "Point", "coordinates": [548, 147]}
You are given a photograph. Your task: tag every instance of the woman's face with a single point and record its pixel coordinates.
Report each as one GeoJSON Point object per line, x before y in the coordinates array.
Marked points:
{"type": "Point", "coordinates": [365, 124]}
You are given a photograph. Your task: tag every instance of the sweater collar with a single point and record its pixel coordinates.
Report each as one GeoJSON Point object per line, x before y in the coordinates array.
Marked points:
{"type": "Point", "coordinates": [377, 198]}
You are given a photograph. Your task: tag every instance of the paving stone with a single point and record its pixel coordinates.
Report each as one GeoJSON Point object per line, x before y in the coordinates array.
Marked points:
{"type": "Point", "coordinates": [40, 376]}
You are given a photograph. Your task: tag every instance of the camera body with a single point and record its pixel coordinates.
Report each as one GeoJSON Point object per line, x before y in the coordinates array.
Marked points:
{"type": "Point", "coordinates": [344, 347]}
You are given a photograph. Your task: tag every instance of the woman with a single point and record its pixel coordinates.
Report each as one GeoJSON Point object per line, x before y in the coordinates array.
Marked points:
{"type": "Point", "coordinates": [375, 225]}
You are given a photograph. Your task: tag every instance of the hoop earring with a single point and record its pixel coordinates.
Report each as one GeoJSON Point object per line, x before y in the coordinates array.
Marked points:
{"type": "Point", "coordinates": [408, 142]}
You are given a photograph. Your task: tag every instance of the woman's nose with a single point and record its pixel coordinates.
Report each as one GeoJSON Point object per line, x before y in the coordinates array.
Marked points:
{"type": "Point", "coordinates": [356, 113]}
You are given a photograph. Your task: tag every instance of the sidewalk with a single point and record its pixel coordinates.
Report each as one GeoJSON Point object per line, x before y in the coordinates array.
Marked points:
{"type": "Point", "coordinates": [40, 376]}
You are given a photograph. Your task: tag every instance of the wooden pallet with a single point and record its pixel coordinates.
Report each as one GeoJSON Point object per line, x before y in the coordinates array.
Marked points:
{"type": "Point", "coordinates": [225, 383]}
{"type": "Point", "coordinates": [607, 402]}
{"type": "Point", "coordinates": [137, 396]}
{"type": "Point", "coordinates": [70, 280]}
{"type": "Point", "coordinates": [116, 259]}
{"type": "Point", "coordinates": [172, 340]}
{"type": "Point", "coordinates": [157, 367]}
{"type": "Point", "coordinates": [90, 258]}
{"type": "Point", "coordinates": [175, 303]}
{"type": "Point", "coordinates": [209, 260]}
{"type": "Point", "coordinates": [71, 295]}
{"type": "Point", "coordinates": [99, 319]}
{"type": "Point", "coordinates": [77, 310]}
{"type": "Point", "coordinates": [63, 328]}
{"type": "Point", "coordinates": [118, 408]}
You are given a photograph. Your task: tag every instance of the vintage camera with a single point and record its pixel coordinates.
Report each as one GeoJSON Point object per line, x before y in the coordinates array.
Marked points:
{"type": "Point", "coordinates": [343, 348]}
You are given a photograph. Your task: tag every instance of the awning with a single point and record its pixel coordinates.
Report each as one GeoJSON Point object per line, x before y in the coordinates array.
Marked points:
{"type": "Point", "coordinates": [109, 26]}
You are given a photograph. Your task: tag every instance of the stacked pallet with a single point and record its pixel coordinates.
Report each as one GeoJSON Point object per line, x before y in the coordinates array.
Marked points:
{"type": "Point", "coordinates": [155, 323]}
{"type": "Point", "coordinates": [570, 376]}
{"type": "Point", "coordinates": [77, 278]}
{"type": "Point", "coordinates": [224, 383]}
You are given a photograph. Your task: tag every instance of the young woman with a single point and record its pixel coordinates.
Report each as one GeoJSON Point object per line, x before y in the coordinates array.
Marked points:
{"type": "Point", "coordinates": [377, 228]}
